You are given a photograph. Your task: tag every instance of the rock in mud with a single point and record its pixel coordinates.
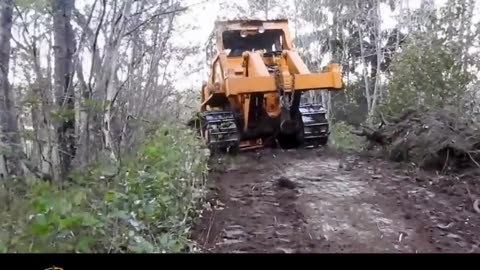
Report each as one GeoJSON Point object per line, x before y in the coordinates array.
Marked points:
{"type": "Point", "coordinates": [345, 165]}
{"type": "Point", "coordinates": [284, 182]}
{"type": "Point", "coordinates": [286, 250]}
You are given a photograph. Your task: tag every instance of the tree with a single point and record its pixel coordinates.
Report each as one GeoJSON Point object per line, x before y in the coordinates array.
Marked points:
{"type": "Point", "coordinates": [230, 10]}
{"type": "Point", "coordinates": [266, 8]}
{"type": "Point", "coordinates": [8, 123]}
{"type": "Point", "coordinates": [427, 74]}
{"type": "Point", "coordinates": [352, 34]}
{"type": "Point", "coordinates": [64, 71]}
{"type": "Point", "coordinates": [435, 68]}
{"type": "Point", "coordinates": [81, 85]}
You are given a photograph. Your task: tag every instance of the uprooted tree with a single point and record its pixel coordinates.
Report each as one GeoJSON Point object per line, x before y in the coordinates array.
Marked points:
{"type": "Point", "coordinates": [431, 94]}
{"type": "Point", "coordinates": [432, 139]}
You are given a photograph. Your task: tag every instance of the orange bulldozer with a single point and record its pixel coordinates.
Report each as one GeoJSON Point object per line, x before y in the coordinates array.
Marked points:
{"type": "Point", "coordinates": [253, 97]}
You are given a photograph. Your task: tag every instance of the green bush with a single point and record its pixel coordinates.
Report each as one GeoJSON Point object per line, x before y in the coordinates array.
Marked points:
{"type": "Point", "coordinates": [342, 139]}
{"type": "Point", "coordinates": [143, 206]}
{"type": "Point", "coordinates": [426, 73]}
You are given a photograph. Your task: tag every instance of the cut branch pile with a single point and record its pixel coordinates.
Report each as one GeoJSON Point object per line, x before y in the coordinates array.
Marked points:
{"type": "Point", "coordinates": [432, 139]}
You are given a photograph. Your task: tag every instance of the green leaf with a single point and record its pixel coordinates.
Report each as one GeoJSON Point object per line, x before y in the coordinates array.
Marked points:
{"type": "Point", "coordinates": [35, 4]}
{"type": "Point", "coordinates": [120, 214]}
{"type": "Point", "coordinates": [84, 245]}
{"type": "Point", "coordinates": [79, 197]}
{"type": "Point", "coordinates": [176, 247]}
{"type": "Point", "coordinates": [89, 220]}
{"type": "Point", "coordinates": [164, 240]}
{"type": "Point", "coordinates": [109, 170]}
{"type": "Point", "coordinates": [3, 248]}
{"type": "Point", "coordinates": [142, 246]}
{"type": "Point", "coordinates": [65, 247]}
{"type": "Point", "coordinates": [63, 206]}
{"type": "Point", "coordinates": [162, 176]}
{"type": "Point", "coordinates": [39, 205]}
{"type": "Point", "coordinates": [15, 240]}
{"type": "Point", "coordinates": [39, 226]}
{"type": "Point", "coordinates": [70, 222]}
{"type": "Point", "coordinates": [110, 196]}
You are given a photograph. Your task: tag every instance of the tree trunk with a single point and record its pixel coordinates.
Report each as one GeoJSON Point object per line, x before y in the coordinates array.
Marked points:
{"type": "Point", "coordinates": [83, 146]}
{"type": "Point", "coordinates": [9, 125]}
{"type": "Point", "coordinates": [467, 35]}
{"type": "Point", "coordinates": [400, 21]}
{"type": "Point", "coordinates": [364, 68]}
{"type": "Point", "coordinates": [267, 9]}
{"type": "Point", "coordinates": [379, 60]}
{"type": "Point", "coordinates": [109, 78]}
{"type": "Point", "coordinates": [64, 97]}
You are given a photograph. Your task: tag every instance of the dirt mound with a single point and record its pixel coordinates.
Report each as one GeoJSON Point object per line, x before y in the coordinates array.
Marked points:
{"type": "Point", "coordinates": [432, 139]}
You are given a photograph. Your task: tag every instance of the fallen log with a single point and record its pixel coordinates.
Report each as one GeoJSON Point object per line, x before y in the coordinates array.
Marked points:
{"type": "Point", "coordinates": [372, 135]}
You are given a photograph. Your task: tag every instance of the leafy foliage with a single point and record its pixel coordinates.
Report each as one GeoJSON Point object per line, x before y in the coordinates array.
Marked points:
{"type": "Point", "coordinates": [436, 68]}
{"type": "Point", "coordinates": [342, 139]}
{"type": "Point", "coordinates": [426, 74]}
{"type": "Point", "coordinates": [34, 4]}
{"type": "Point", "coordinates": [145, 206]}
{"type": "Point", "coordinates": [264, 8]}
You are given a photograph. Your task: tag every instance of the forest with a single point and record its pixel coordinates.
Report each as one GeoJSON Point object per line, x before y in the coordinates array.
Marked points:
{"type": "Point", "coordinates": [95, 97]}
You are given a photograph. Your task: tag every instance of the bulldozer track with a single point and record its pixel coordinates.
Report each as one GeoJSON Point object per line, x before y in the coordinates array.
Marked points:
{"type": "Point", "coordinates": [221, 130]}
{"type": "Point", "coordinates": [315, 125]}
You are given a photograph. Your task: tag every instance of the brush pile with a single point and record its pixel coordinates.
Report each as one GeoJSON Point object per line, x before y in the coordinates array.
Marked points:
{"type": "Point", "coordinates": [432, 139]}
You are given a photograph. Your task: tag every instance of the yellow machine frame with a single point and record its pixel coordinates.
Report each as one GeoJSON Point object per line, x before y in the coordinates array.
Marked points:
{"type": "Point", "coordinates": [239, 77]}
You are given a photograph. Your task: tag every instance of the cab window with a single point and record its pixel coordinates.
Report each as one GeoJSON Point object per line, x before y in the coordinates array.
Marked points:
{"type": "Point", "coordinates": [270, 41]}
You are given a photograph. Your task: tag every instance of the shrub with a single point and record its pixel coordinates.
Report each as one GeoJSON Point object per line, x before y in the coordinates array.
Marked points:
{"type": "Point", "coordinates": [342, 139]}
{"type": "Point", "coordinates": [144, 205]}
{"type": "Point", "coordinates": [426, 73]}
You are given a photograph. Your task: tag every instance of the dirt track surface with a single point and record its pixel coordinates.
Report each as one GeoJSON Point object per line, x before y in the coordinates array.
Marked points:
{"type": "Point", "coordinates": [337, 204]}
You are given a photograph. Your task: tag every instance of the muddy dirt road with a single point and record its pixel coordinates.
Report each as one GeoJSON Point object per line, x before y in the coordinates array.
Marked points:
{"type": "Point", "coordinates": [278, 201]}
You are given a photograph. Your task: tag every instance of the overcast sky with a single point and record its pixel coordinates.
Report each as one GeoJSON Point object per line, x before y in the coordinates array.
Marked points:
{"type": "Point", "coordinates": [204, 17]}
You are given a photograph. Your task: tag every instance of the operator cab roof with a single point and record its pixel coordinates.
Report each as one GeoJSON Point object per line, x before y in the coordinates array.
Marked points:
{"type": "Point", "coordinates": [252, 26]}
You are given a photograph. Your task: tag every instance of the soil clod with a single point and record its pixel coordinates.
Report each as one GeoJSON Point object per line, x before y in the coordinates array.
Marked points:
{"type": "Point", "coordinates": [284, 182]}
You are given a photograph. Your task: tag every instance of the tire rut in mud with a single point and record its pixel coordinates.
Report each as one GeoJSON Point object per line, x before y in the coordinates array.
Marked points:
{"type": "Point", "coordinates": [252, 213]}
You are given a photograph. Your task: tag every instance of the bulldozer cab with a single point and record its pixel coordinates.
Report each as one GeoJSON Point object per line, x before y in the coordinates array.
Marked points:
{"type": "Point", "coordinates": [236, 42]}
{"type": "Point", "coordinates": [236, 37]}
